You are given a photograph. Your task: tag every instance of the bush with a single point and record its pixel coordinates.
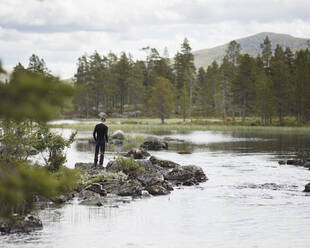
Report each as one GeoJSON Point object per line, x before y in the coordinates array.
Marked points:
{"type": "Point", "coordinates": [129, 166]}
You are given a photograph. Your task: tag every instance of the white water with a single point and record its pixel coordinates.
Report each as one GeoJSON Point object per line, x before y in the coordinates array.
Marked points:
{"type": "Point", "coordinates": [233, 209]}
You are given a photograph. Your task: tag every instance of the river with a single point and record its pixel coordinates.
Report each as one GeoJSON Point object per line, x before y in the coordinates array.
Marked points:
{"type": "Point", "coordinates": [248, 201]}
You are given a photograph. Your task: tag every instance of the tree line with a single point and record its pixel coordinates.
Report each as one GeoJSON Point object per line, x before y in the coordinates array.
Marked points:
{"type": "Point", "coordinates": [275, 84]}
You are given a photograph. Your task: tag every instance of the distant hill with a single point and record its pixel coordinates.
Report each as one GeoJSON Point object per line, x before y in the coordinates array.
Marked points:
{"type": "Point", "coordinates": [250, 45]}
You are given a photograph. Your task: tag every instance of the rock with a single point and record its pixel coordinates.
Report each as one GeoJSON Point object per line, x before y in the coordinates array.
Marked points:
{"type": "Point", "coordinates": [130, 188]}
{"type": "Point", "coordinates": [281, 162]}
{"type": "Point", "coordinates": [298, 162]}
{"type": "Point", "coordinates": [145, 194]}
{"type": "Point", "coordinates": [63, 198]}
{"type": "Point", "coordinates": [181, 174]}
{"type": "Point", "coordinates": [307, 164]}
{"type": "Point", "coordinates": [138, 154]}
{"type": "Point", "coordinates": [157, 190]}
{"type": "Point", "coordinates": [119, 135]}
{"type": "Point", "coordinates": [146, 164]}
{"type": "Point", "coordinates": [184, 152]}
{"type": "Point", "coordinates": [116, 142]}
{"type": "Point", "coordinates": [163, 163]}
{"type": "Point", "coordinates": [18, 224]}
{"type": "Point", "coordinates": [154, 144]}
{"type": "Point", "coordinates": [102, 115]}
{"type": "Point", "coordinates": [92, 201]}
{"type": "Point", "coordinates": [97, 188]}
{"type": "Point", "coordinates": [89, 168]}
{"type": "Point", "coordinates": [190, 182]}
{"type": "Point", "coordinates": [307, 188]}
{"type": "Point", "coordinates": [90, 198]}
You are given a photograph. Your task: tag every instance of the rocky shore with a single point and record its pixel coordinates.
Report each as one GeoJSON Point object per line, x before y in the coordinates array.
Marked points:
{"type": "Point", "coordinates": [137, 176]}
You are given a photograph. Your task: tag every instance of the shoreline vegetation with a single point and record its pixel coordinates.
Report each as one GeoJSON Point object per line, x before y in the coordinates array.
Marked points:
{"type": "Point", "coordinates": [154, 125]}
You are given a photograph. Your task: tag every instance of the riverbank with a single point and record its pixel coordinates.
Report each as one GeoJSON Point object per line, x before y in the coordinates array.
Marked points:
{"type": "Point", "coordinates": [154, 125]}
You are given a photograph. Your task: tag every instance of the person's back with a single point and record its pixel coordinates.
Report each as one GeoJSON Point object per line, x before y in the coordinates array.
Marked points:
{"type": "Point", "coordinates": [101, 137]}
{"type": "Point", "coordinates": [101, 133]}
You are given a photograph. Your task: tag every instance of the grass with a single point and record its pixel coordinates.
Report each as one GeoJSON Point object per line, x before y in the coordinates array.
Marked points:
{"type": "Point", "coordinates": [148, 125]}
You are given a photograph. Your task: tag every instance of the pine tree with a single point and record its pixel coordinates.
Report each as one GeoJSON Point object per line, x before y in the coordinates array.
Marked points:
{"type": "Point", "coordinates": [243, 87]}
{"type": "Point", "coordinates": [135, 85]}
{"type": "Point", "coordinates": [280, 83]}
{"type": "Point", "coordinates": [37, 65]}
{"type": "Point", "coordinates": [162, 100]}
{"type": "Point", "coordinates": [232, 57]}
{"type": "Point", "coordinates": [185, 76]}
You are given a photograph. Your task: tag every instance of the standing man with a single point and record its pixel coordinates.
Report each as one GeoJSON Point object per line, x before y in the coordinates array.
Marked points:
{"type": "Point", "coordinates": [101, 137]}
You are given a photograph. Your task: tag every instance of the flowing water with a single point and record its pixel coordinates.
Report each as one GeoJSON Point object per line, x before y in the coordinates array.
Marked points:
{"type": "Point", "coordinates": [248, 201]}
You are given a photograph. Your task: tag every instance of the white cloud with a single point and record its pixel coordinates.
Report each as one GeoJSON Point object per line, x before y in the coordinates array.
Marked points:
{"type": "Point", "coordinates": [62, 30]}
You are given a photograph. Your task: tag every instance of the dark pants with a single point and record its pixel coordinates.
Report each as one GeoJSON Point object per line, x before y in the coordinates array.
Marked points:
{"type": "Point", "coordinates": [99, 146]}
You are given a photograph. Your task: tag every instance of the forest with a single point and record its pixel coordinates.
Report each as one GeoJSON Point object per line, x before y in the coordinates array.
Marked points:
{"type": "Point", "coordinates": [272, 86]}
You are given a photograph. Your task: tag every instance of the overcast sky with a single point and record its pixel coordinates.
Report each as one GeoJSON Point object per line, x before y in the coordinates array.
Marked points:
{"type": "Point", "coordinates": [62, 30]}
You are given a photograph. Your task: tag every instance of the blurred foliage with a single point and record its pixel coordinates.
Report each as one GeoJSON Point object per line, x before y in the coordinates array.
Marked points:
{"type": "Point", "coordinates": [21, 183]}
{"type": "Point", "coordinates": [17, 139]}
{"type": "Point", "coordinates": [30, 98]}
{"type": "Point", "coordinates": [33, 96]}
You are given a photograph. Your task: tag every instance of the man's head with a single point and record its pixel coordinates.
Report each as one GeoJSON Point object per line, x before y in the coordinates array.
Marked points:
{"type": "Point", "coordinates": [102, 119]}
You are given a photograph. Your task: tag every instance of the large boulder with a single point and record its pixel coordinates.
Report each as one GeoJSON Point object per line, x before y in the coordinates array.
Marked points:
{"type": "Point", "coordinates": [153, 143]}
{"type": "Point", "coordinates": [157, 190]}
{"type": "Point", "coordinates": [307, 187]}
{"type": "Point", "coordinates": [167, 164]}
{"type": "Point", "coordinates": [137, 154]}
{"type": "Point", "coordinates": [187, 175]}
{"type": "Point", "coordinates": [118, 135]}
{"type": "Point", "coordinates": [130, 188]}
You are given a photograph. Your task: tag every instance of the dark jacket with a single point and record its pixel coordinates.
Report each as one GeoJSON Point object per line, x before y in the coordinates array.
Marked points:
{"type": "Point", "coordinates": [101, 133]}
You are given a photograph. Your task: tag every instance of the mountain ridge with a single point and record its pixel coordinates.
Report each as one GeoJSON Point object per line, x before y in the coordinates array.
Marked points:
{"type": "Point", "coordinates": [250, 45]}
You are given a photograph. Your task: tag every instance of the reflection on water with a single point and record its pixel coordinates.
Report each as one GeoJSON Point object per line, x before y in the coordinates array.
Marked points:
{"type": "Point", "coordinates": [249, 201]}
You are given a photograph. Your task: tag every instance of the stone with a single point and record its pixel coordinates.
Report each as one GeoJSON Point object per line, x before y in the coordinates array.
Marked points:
{"type": "Point", "coordinates": [130, 188]}
{"type": "Point", "coordinates": [298, 162]}
{"type": "Point", "coordinates": [307, 188]}
{"type": "Point", "coordinates": [184, 152]}
{"type": "Point", "coordinates": [167, 164]}
{"type": "Point", "coordinates": [153, 143]}
{"type": "Point", "coordinates": [63, 198]}
{"type": "Point", "coordinates": [281, 162]}
{"type": "Point", "coordinates": [137, 154]}
{"type": "Point", "coordinates": [181, 174]}
{"type": "Point", "coordinates": [118, 134]}
{"type": "Point", "coordinates": [157, 190]}
{"type": "Point", "coordinates": [97, 188]}
{"type": "Point", "coordinates": [190, 182]}
{"type": "Point", "coordinates": [18, 224]}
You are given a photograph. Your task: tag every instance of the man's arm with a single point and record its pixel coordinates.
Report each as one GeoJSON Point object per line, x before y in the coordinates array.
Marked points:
{"type": "Point", "coordinates": [95, 133]}
{"type": "Point", "coordinates": [106, 135]}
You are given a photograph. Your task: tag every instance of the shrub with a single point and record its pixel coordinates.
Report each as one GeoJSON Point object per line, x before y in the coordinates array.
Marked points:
{"type": "Point", "coordinates": [129, 166]}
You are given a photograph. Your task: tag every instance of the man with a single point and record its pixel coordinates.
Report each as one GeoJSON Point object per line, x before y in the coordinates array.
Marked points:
{"type": "Point", "coordinates": [101, 137]}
